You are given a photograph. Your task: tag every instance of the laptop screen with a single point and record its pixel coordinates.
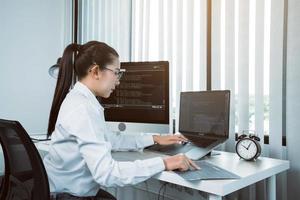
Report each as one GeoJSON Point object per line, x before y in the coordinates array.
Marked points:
{"type": "Point", "coordinates": [204, 113]}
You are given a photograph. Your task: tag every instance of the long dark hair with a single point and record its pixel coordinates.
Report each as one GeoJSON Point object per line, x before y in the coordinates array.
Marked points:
{"type": "Point", "coordinates": [75, 62]}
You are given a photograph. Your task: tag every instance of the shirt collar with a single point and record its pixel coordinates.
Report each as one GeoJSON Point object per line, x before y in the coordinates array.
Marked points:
{"type": "Point", "coordinates": [83, 89]}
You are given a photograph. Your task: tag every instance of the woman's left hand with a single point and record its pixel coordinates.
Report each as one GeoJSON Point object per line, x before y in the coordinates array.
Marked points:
{"type": "Point", "coordinates": [169, 139]}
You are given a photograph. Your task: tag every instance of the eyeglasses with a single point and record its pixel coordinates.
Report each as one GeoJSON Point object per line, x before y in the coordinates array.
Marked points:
{"type": "Point", "coordinates": [119, 72]}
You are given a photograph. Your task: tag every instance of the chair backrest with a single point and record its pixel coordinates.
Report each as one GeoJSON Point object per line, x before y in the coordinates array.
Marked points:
{"type": "Point", "coordinates": [25, 176]}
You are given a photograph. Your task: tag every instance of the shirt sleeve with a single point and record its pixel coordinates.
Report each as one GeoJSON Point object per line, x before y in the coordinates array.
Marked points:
{"type": "Point", "coordinates": [97, 154]}
{"type": "Point", "coordinates": [121, 142]}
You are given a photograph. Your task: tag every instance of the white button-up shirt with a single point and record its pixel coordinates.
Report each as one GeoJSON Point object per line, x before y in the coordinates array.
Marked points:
{"type": "Point", "coordinates": [79, 158]}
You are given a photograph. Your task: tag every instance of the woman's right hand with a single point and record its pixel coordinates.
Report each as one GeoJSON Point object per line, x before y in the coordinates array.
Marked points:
{"type": "Point", "coordinates": [179, 162]}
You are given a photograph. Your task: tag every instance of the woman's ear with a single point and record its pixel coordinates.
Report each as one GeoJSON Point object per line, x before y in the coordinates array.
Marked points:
{"type": "Point", "coordinates": [95, 72]}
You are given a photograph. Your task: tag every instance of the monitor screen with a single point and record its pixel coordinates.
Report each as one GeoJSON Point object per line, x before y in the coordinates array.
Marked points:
{"type": "Point", "coordinates": [205, 113]}
{"type": "Point", "coordinates": [142, 96]}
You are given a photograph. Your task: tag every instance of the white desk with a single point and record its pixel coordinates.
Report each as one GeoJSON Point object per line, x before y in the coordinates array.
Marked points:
{"type": "Point", "coordinates": [251, 172]}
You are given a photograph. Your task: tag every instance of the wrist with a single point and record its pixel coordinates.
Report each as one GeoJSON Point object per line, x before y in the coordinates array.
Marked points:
{"type": "Point", "coordinates": [166, 163]}
{"type": "Point", "coordinates": [164, 160]}
{"type": "Point", "coordinates": [156, 138]}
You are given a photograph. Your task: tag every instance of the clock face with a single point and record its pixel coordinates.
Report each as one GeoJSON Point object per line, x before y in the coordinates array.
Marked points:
{"type": "Point", "coordinates": [247, 149]}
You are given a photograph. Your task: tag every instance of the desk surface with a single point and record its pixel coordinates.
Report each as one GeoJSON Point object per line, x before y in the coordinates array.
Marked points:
{"type": "Point", "coordinates": [251, 172]}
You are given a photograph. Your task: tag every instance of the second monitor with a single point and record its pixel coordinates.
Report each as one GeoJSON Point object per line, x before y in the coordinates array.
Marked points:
{"type": "Point", "coordinates": [141, 101]}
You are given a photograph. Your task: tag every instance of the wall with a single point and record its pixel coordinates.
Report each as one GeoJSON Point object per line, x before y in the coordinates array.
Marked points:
{"type": "Point", "coordinates": [293, 95]}
{"type": "Point", "coordinates": [31, 40]}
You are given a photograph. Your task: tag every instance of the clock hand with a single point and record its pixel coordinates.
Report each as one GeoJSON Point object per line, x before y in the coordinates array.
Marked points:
{"type": "Point", "coordinates": [244, 146]}
{"type": "Point", "coordinates": [248, 146]}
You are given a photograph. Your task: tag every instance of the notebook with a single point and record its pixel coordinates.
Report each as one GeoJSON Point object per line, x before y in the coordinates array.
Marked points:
{"type": "Point", "coordinates": [204, 120]}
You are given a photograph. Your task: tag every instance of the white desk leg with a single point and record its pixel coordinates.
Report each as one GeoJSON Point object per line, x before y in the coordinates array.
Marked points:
{"type": "Point", "coordinates": [271, 187]}
{"type": "Point", "coordinates": [214, 197]}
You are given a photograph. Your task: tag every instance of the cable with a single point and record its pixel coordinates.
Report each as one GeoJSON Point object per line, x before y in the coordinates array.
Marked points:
{"type": "Point", "coordinates": [158, 196]}
{"type": "Point", "coordinates": [165, 189]}
{"type": "Point", "coordinates": [161, 187]}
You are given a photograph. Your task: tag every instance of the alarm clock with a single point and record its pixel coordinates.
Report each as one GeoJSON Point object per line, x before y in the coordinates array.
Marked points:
{"type": "Point", "coordinates": [248, 147]}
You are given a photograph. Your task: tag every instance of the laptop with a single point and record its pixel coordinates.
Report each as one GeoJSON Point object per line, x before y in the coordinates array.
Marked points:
{"type": "Point", "coordinates": [204, 120]}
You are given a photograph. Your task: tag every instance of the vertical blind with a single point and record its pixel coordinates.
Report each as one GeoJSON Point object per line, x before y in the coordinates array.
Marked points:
{"type": "Point", "coordinates": [108, 21]}
{"type": "Point", "coordinates": [247, 51]}
{"type": "Point", "coordinates": [174, 31]}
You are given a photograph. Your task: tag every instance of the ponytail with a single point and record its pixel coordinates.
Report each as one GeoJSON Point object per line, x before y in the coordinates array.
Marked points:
{"type": "Point", "coordinates": [63, 84]}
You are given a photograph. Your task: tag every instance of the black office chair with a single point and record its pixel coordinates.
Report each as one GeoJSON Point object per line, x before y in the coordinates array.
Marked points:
{"type": "Point", "coordinates": [25, 177]}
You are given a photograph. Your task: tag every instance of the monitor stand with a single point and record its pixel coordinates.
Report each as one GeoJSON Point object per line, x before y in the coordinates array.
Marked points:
{"type": "Point", "coordinates": [197, 153]}
{"type": "Point", "coordinates": [213, 153]}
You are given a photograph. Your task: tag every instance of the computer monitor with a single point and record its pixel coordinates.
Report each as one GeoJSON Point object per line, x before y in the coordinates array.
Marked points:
{"type": "Point", "coordinates": [141, 102]}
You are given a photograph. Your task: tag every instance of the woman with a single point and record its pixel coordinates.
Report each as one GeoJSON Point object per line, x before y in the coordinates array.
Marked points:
{"type": "Point", "coordinates": [79, 158]}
